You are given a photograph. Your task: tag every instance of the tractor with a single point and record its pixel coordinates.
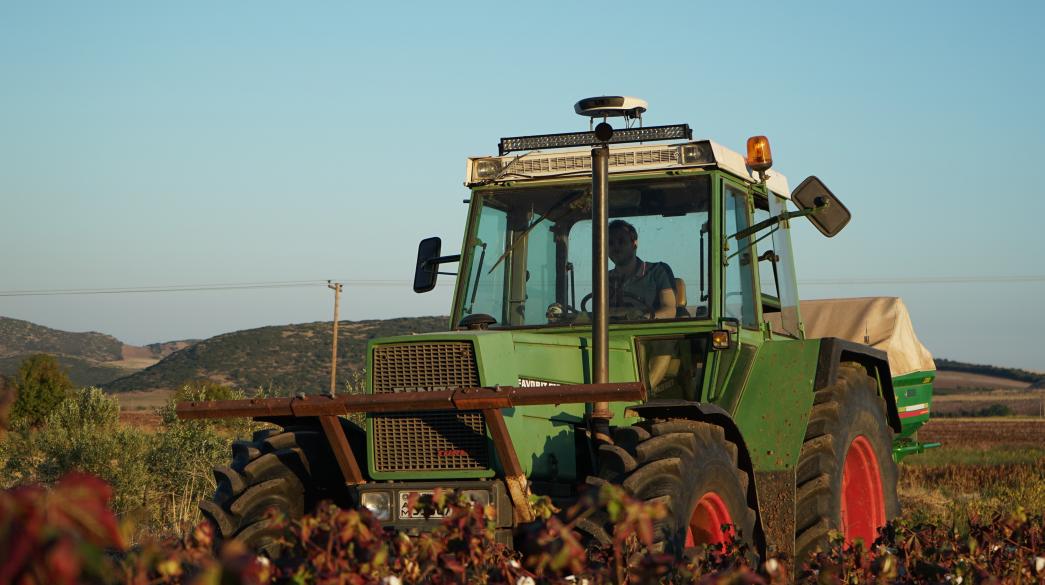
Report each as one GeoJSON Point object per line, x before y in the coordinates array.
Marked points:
{"type": "Point", "coordinates": [687, 373]}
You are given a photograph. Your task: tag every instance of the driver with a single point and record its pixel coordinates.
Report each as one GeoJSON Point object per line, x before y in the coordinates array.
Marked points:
{"type": "Point", "coordinates": [633, 281]}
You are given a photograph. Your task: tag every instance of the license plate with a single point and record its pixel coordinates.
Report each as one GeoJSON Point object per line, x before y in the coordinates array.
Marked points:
{"type": "Point", "coordinates": [407, 513]}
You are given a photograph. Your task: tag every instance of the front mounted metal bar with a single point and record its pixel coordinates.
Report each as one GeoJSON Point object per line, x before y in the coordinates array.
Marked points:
{"type": "Point", "coordinates": [346, 460]}
{"type": "Point", "coordinates": [477, 398]}
{"type": "Point", "coordinates": [518, 487]}
{"type": "Point", "coordinates": [489, 400]}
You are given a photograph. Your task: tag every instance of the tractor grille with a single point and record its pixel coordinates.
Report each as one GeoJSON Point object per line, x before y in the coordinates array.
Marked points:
{"type": "Point", "coordinates": [449, 439]}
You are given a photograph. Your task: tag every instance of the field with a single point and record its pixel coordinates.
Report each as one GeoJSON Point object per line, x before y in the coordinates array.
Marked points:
{"type": "Point", "coordinates": [985, 434]}
{"type": "Point", "coordinates": [985, 485]}
{"type": "Point", "coordinates": [141, 409]}
{"type": "Point", "coordinates": [986, 466]}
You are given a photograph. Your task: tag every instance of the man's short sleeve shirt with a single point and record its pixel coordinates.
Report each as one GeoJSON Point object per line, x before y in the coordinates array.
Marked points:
{"type": "Point", "coordinates": [645, 284]}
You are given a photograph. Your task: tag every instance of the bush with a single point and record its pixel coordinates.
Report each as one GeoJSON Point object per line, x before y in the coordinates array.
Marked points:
{"type": "Point", "coordinates": [180, 464]}
{"type": "Point", "coordinates": [8, 392]}
{"type": "Point", "coordinates": [203, 390]}
{"type": "Point", "coordinates": [42, 385]}
{"type": "Point", "coordinates": [83, 434]}
{"type": "Point", "coordinates": [157, 479]}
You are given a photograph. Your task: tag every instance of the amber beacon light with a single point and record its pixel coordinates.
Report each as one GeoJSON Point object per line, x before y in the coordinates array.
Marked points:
{"type": "Point", "coordinates": [759, 158]}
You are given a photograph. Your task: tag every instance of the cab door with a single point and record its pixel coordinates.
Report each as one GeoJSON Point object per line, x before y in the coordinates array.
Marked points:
{"type": "Point", "coordinates": [738, 297]}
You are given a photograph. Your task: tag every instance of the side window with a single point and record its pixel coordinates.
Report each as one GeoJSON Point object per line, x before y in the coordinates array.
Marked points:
{"type": "Point", "coordinates": [790, 322]}
{"type": "Point", "coordinates": [767, 259]}
{"type": "Point", "coordinates": [739, 291]}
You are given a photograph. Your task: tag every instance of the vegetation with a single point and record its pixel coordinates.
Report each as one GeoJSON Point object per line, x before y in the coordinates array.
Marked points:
{"type": "Point", "coordinates": [994, 409]}
{"type": "Point", "coordinates": [279, 359]}
{"type": "Point", "coordinates": [156, 478]}
{"type": "Point", "coordinates": [41, 385]}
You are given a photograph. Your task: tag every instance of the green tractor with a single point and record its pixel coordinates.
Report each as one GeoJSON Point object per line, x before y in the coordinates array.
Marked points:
{"type": "Point", "coordinates": [684, 374]}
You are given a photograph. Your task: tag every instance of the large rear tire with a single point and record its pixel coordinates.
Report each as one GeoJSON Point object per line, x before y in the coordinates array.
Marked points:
{"type": "Point", "coordinates": [846, 477]}
{"type": "Point", "coordinates": [289, 471]}
{"type": "Point", "coordinates": [692, 469]}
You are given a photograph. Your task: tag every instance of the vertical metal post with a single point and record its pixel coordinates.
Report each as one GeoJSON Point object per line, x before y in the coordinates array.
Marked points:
{"type": "Point", "coordinates": [600, 212]}
{"type": "Point", "coordinates": [336, 287]}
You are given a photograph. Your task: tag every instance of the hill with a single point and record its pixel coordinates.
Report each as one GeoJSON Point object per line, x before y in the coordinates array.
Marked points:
{"type": "Point", "coordinates": [90, 358]}
{"type": "Point", "coordinates": [288, 358]}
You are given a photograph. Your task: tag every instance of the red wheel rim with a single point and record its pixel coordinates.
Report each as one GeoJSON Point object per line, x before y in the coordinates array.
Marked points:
{"type": "Point", "coordinates": [705, 525]}
{"type": "Point", "coordinates": [863, 506]}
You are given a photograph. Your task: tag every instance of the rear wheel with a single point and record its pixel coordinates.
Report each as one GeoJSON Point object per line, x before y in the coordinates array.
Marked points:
{"type": "Point", "coordinates": [289, 471]}
{"type": "Point", "coordinates": [846, 478]}
{"type": "Point", "coordinates": [691, 468]}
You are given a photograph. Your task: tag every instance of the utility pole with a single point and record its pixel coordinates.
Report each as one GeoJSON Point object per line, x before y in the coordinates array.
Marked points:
{"type": "Point", "coordinates": [336, 287]}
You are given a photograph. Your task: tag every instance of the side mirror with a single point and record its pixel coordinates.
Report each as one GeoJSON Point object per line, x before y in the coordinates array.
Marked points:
{"type": "Point", "coordinates": [428, 261]}
{"type": "Point", "coordinates": [827, 212]}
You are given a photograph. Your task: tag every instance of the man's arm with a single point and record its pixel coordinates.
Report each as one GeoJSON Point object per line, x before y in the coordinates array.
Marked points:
{"type": "Point", "coordinates": [664, 279]}
{"type": "Point", "coordinates": [666, 308]}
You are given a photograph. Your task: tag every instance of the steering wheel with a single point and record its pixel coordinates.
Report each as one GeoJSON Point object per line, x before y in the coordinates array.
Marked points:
{"type": "Point", "coordinates": [563, 313]}
{"type": "Point", "coordinates": [630, 301]}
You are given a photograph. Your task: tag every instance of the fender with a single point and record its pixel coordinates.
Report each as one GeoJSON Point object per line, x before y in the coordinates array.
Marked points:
{"type": "Point", "coordinates": [834, 351]}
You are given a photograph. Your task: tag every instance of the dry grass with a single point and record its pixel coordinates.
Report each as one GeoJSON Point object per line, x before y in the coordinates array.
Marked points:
{"type": "Point", "coordinates": [985, 466]}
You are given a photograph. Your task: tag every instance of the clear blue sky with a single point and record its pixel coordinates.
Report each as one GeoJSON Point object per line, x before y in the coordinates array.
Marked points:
{"type": "Point", "coordinates": [146, 144]}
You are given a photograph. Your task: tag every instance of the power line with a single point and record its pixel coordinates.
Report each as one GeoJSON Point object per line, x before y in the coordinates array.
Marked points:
{"type": "Point", "coordinates": [197, 287]}
{"type": "Point", "coordinates": [399, 282]}
{"type": "Point", "coordinates": [926, 280]}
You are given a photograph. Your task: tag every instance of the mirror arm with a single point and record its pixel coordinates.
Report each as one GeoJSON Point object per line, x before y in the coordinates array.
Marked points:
{"type": "Point", "coordinates": [746, 232]}
{"type": "Point", "coordinates": [442, 260]}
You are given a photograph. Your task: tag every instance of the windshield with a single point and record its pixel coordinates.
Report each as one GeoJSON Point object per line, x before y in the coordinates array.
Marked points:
{"type": "Point", "coordinates": [530, 262]}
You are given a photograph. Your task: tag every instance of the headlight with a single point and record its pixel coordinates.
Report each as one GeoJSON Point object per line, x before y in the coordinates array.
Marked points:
{"type": "Point", "coordinates": [696, 153]}
{"type": "Point", "coordinates": [378, 503]}
{"type": "Point", "coordinates": [487, 168]}
{"type": "Point", "coordinates": [477, 496]}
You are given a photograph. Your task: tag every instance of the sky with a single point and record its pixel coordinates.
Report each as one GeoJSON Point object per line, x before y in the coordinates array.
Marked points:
{"type": "Point", "coordinates": [147, 144]}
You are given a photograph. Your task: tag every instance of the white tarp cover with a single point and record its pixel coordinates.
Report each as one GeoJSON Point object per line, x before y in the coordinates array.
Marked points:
{"type": "Point", "coordinates": [883, 320]}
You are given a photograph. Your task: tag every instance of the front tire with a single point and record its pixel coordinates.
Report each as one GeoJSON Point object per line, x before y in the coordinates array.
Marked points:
{"type": "Point", "coordinates": [846, 477]}
{"type": "Point", "coordinates": [289, 471]}
{"type": "Point", "coordinates": [692, 469]}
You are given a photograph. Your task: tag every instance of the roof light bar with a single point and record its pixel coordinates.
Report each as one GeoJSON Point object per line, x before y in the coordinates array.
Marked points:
{"type": "Point", "coordinates": [572, 139]}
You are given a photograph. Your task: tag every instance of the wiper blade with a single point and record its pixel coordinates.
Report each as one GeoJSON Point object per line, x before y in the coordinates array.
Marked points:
{"type": "Point", "coordinates": [569, 198]}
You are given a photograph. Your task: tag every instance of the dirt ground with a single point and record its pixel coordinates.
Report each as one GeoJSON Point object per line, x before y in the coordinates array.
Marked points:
{"type": "Point", "coordinates": [949, 380]}
{"type": "Point", "coordinates": [1019, 402]}
{"type": "Point", "coordinates": [140, 409]}
{"type": "Point", "coordinates": [985, 433]}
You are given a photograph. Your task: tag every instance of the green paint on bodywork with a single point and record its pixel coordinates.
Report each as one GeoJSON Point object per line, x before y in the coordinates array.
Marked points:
{"type": "Point", "coordinates": [773, 408]}
{"type": "Point", "coordinates": [543, 435]}
{"type": "Point", "coordinates": [913, 389]}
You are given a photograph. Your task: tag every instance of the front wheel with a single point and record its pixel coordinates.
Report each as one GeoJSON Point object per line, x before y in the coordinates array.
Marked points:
{"type": "Point", "coordinates": [289, 472]}
{"type": "Point", "coordinates": [692, 469]}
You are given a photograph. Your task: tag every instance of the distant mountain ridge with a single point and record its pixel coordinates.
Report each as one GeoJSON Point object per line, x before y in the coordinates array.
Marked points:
{"type": "Point", "coordinates": [293, 358]}
{"type": "Point", "coordinates": [21, 337]}
{"type": "Point", "coordinates": [280, 358]}
{"type": "Point", "coordinates": [91, 358]}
